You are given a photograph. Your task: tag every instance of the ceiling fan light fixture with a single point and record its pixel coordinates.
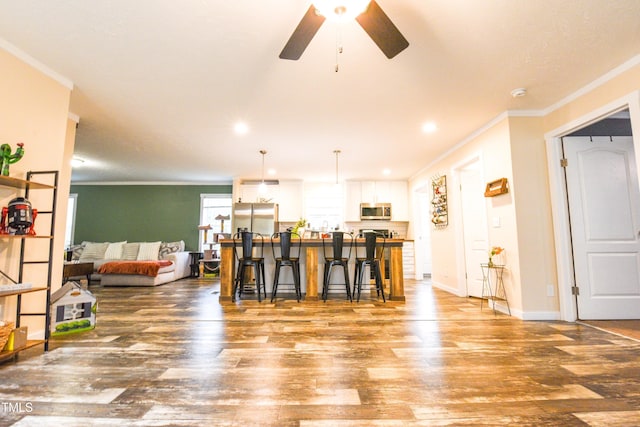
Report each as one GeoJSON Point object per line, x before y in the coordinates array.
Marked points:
{"type": "Point", "coordinates": [340, 10]}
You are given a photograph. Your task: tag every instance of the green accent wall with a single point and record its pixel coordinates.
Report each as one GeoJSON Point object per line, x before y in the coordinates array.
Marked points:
{"type": "Point", "coordinates": [140, 213]}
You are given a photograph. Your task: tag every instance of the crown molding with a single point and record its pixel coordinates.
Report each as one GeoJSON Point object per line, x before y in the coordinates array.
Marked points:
{"type": "Point", "coordinates": [150, 183]}
{"type": "Point", "coordinates": [28, 59]}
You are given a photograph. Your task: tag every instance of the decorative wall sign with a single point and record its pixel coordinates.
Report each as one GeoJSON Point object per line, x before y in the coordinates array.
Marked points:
{"type": "Point", "coordinates": [439, 212]}
{"type": "Point", "coordinates": [497, 187]}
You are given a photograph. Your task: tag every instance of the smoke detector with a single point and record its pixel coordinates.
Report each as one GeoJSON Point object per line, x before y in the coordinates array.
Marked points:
{"type": "Point", "coordinates": [519, 92]}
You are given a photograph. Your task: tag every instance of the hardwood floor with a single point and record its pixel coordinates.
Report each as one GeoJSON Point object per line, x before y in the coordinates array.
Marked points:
{"type": "Point", "coordinates": [172, 355]}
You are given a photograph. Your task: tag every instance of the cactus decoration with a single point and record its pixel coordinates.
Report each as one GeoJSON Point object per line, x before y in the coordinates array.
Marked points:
{"type": "Point", "coordinates": [8, 158]}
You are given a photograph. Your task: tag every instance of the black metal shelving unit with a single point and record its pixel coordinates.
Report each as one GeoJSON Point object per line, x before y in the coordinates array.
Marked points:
{"type": "Point", "coordinates": [29, 185]}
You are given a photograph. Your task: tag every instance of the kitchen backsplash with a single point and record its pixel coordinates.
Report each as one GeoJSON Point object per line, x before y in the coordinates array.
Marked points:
{"type": "Point", "coordinates": [399, 228]}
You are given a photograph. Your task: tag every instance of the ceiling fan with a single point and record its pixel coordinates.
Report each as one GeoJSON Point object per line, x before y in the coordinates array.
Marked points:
{"type": "Point", "coordinates": [369, 15]}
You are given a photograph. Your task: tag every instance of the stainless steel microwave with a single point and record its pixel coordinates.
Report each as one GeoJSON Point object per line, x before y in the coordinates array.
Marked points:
{"type": "Point", "coordinates": [375, 211]}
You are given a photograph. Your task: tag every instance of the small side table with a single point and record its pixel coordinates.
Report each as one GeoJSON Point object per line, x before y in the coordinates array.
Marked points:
{"type": "Point", "coordinates": [73, 269]}
{"type": "Point", "coordinates": [194, 263]}
{"type": "Point", "coordinates": [497, 293]}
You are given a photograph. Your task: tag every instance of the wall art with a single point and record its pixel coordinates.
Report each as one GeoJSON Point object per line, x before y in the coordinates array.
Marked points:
{"type": "Point", "coordinates": [439, 212]}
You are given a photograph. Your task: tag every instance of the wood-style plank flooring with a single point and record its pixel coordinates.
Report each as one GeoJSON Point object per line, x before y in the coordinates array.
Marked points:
{"type": "Point", "coordinates": [172, 355]}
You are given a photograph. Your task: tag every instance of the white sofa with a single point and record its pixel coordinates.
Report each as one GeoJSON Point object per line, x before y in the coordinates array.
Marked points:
{"type": "Point", "coordinates": [101, 253]}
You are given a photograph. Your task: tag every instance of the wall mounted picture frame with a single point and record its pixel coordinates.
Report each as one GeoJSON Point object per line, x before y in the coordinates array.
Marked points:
{"type": "Point", "coordinates": [439, 210]}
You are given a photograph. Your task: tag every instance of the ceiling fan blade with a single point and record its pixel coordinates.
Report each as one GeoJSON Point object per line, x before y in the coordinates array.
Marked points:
{"type": "Point", "coordinates": [302, 35]}
{"type": "Point", "coordinates": [382, 31]}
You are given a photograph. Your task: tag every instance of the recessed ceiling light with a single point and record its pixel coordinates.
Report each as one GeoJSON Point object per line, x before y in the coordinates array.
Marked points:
{"type": "Point", "coordinates": [386, 171]}
{"type": "Point", "coordinates": [271, 172]}
{"type": "Point", "coordinates": [241, 128]}
{"type": "Point", "coordinates": [517, 93]}
{"type": "Point", "coordinates": [429, 127]}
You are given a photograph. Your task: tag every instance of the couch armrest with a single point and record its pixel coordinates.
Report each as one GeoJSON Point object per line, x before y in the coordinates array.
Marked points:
{"type": "Point", "coordinates": [181, 260]}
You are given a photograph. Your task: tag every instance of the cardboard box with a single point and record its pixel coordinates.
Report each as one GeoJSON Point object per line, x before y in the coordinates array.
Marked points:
{"type": "Point", "coordinates": [17, 339]}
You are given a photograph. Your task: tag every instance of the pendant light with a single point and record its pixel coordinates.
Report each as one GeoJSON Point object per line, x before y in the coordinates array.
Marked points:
{"type": "Point", "coordinates": [337, 153]}
{"type": "Point", "coordinates": [262, 188]}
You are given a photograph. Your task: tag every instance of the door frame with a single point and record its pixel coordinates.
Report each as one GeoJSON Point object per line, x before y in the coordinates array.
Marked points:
{"type": "Point", "coordinates": [421, 228]}
{"type": "Point", "coordinates": [558, 191]}
{"type": "Point", "coordinates": [456, 202]}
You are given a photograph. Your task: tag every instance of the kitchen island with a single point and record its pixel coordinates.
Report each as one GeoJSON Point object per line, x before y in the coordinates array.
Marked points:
{"type": "Point", "coordinates": [311, 267]}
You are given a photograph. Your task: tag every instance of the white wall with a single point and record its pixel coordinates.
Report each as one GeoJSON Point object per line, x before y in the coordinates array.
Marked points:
{"type": "Point", "coordinates": [34, 109]}
{"type": "Point", "coordinates": [513, 146]}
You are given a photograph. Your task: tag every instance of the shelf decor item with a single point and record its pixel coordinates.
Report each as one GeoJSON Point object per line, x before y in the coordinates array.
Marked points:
{"type": "Point", "coordinates": [439, 211]}
{"type": "Point", "coordinates": [299, 228]}
{"type": "Point", "coordinates": [18, 218]}
{"type": "Point", "coordinates": [496, 250]}
{"type": "Point", "coordinates": [8, 158]}
{"type": "Point", "coordinates": [497, 187]}
{"type": "Point", "coordinates": [73, 309]}
{"type": "Point", "coordinates": [5, 330]}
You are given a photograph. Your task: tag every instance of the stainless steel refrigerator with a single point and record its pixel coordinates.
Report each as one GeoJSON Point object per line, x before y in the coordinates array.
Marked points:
{"type": "Point", "coordinates": [257, 217]}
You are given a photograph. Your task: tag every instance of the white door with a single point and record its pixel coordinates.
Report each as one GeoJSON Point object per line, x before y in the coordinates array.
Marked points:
{"type": "Point", "coordinates": [474, 224]}
{"type": "Point", "coordinates": [604, 200]}
{"type": "Point", "coordinates": [425, 232]}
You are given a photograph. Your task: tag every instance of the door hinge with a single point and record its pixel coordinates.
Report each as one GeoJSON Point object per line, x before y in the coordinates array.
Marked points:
{"type": "Point", "coordinates": [575, 290]}
{"type": "Point", "coordinates": [564, 163]}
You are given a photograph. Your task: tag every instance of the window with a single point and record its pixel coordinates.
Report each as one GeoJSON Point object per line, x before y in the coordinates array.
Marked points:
{"type": "Point", "coordinates": [71, 220]}
{"type": "Point", "coordinates": [324, 206]}
{"type": "Point", "coordinates": [211, 206]}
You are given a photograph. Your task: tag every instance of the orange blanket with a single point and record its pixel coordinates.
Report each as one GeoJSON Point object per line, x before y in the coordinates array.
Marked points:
{"type": "Point", "coordinates": [144, 268]}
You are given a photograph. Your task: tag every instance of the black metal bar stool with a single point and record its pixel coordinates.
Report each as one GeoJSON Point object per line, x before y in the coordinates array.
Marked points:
{"type": "Point", "coordinates": [288, 245]}
{"type": "Point", "coordinates": [249, 254]}
{"type": "Point", "coordinates": [340, 245]}
{"type": "Point", "coordinates": [374, 244]}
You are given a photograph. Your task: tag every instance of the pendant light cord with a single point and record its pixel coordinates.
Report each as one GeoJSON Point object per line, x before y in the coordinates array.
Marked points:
{"type": "Point", "coordinates": [263, 152]}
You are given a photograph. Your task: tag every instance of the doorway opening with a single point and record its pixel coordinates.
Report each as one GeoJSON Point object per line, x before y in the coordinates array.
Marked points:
{"type": "Point", "coordinates": [568, 272]}
{"type": "Point", "coordinates": [474, 230]}
{"type": "Point", "coordinates": [603, 201]}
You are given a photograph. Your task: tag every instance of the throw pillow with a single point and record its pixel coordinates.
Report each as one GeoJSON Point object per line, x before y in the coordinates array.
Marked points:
{"type": "Point", "coordinates": [167, 248]}
{"type": "Point", "coordinates": [130, 251]}
{"type": "Point", "coordinates": [148, 251]}
{"type": "Point", "coordinates": [114, 250]}
{"type": "Point", "coordinates": [93, 251]}
{"type": "Point", "coordinates": [77, 251]}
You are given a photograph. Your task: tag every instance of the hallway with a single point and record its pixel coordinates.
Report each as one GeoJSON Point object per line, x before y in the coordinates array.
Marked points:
{"type": "Point", "coordinates": [172, 355]}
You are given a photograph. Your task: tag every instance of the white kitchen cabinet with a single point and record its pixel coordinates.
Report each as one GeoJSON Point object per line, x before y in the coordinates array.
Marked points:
{"type": "Point", "coordinates": [249, 193]}
{"type": "Point", "coordinates": [394, 192]}
{"type": "Point", "coordinates": [376, 191]}
{"type": "Point", "coordinates": [408, 259]}
{"type": "Point", "coordinates": [367, 191]}
{"type": "Point", "coordinates": [382, 192]}
{"type": "Point", "coordinates": [399, 201]}
{"type": "Point", "coordinates": [353, 198]}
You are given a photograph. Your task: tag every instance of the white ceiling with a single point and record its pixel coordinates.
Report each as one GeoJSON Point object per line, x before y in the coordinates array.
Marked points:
{"type": "Point", "coordinates": [160, 84]}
